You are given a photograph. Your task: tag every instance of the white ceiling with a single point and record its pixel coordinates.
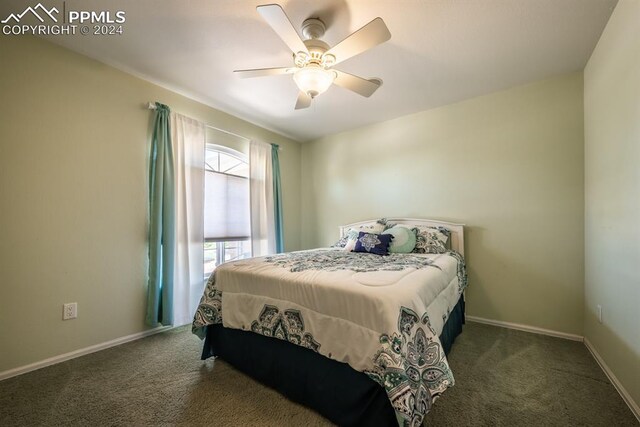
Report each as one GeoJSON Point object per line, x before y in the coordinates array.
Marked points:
{"type": "Point", "coordinates": [440, 52]}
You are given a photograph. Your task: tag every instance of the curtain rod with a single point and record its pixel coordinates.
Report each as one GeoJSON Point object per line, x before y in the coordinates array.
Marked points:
{"type": "Point", "coordinates": [152, 106]}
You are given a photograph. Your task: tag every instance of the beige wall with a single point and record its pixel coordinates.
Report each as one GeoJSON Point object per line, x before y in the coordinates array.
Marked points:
{"type": "Point", "coordinates": [612, 200]}
{"type": "Point", "coordinates": [509, 165]}
{"type": "Point", "coordinates": [73, 197]}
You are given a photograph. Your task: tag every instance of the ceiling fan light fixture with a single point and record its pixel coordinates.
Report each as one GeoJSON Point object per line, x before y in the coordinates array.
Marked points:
{"type": "Point", "coordinates": [313, 79]}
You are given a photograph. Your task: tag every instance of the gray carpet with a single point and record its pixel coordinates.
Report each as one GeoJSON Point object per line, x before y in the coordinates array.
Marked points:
{"type": "Point", "coordinates": [503, 378]}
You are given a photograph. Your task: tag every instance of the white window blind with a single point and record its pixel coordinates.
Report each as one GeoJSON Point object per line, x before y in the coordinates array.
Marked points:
{"type": "Point", "coordinates": [226, 207]}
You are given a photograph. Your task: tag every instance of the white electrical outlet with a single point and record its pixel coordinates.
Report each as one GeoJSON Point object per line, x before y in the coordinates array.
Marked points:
{"type": "Point", "coordinates": [599, 308]}
{"type": "Point", "coordinates": [70, 311]}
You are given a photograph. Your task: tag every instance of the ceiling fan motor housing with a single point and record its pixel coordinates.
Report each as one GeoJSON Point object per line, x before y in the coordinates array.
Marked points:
{"type": "Point", "coordinates": [313, 28]}
{"type": "Point", "coordinates": [316, 55]}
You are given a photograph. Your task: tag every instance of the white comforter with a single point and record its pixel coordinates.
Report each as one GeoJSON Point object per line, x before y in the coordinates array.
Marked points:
{"type": "Point", "coordinates": [381, 315]}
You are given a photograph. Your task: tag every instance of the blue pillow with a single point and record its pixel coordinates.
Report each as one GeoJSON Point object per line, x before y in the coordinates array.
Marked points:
{"type": "Point", "coordinates": [373, 243]}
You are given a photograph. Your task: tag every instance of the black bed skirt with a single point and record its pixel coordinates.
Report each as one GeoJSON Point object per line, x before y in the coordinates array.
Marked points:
{"type": "Point", "coordinates": [334, 389]}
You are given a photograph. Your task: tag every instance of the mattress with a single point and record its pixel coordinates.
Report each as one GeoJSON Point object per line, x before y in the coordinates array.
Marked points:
{"type": "Point", "coordinates": [380, 315]}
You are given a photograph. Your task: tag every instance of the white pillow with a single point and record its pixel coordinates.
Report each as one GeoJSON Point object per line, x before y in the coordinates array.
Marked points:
{"type": "Point", "coordinates": [351, 244]}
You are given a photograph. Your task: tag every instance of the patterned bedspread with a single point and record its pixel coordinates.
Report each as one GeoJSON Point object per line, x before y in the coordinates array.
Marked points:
{"type": "Point", "coordinates": [380, 314]}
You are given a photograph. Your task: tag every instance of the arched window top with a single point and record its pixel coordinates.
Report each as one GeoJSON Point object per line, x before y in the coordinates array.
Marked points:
{"type": "Point", "coordinates": [226, 160]}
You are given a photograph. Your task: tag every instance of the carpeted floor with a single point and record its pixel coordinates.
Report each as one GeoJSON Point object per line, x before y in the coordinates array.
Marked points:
{"type": "Point", "coordinates": [503, 378]}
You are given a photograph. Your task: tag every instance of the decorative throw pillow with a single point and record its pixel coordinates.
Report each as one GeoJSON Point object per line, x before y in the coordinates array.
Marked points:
{"type": "Point", "coordinates": [351, 242]}
{"type": "Point", "coordinates": [431, 240]}
{"type": "Point", "coordinates": [404, 239]}
{"type": "Point", "coordinates": [352, 233]}
{"type": "Point", "coordinates": [373, 243]}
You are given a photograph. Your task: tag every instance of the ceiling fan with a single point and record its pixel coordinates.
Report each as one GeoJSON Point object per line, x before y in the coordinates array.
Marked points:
{"type": "Point", "coordinates": [313, 60]}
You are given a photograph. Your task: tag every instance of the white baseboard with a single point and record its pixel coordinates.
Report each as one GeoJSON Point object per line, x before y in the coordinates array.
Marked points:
{"type": "Point", "coordinates": [81, 352]}
{"type": "Point", "coordinates": [614, 380]}
{"type": "Point", "coordinates": [526, 328]}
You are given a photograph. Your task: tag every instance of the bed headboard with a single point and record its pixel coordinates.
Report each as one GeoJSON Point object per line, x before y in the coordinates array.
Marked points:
{"type": "Point", "coordinates": [457, 230]}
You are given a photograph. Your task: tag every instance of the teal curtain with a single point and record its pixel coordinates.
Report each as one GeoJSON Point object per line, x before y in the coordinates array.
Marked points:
{"type": "Point", "coordinates": [161, 222]}
{"type": "Point", "coordinates": [277, 198]}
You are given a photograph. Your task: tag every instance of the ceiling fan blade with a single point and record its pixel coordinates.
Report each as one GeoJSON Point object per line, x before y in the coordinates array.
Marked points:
{"type": "Point", "coordinates": [304, 101]}
{"type": "Point", "coordinates": [261, 72]}
{"type": "Point", "coordinates": [280, 23]}
{"type": "Point", "coordinates": [357, 84]}
{"type": "Point", "coordinates": [372, 34]}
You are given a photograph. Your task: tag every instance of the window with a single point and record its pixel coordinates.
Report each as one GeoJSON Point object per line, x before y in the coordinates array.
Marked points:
{"type": "Point", "coordinates": [226, 207]}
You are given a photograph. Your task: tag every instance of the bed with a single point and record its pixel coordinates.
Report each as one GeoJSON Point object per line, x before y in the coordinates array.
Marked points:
{"type": "Point", "coordinates": [360, 338]}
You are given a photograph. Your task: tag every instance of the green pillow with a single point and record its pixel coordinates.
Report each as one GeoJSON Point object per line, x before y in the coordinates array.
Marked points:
{"type": "Point", "coordinates": [404, 240]}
